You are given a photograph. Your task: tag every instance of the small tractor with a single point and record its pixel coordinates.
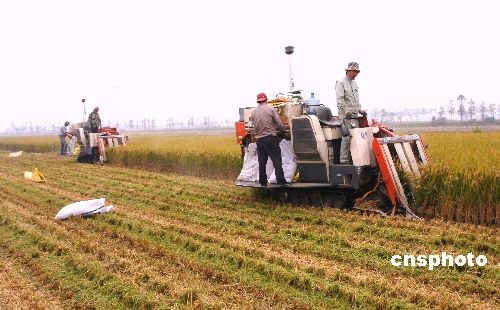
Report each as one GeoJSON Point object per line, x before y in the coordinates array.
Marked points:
{"type": "Point", "coordinates": [378, 180]}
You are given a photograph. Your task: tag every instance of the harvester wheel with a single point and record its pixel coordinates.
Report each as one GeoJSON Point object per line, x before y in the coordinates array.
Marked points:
{"type": "Point", "coordinates": [294, 198]}
{"type": "Point", "coordinates": [274, 195]}
{"type": "Point", "coordinates": [338, 204]}
{"type": "Point", "coordinates": [338, 201]}
{"type": "Point", "coordinates": [348, 202]}
{"type": "Point", "coordinates": [328, 201]}
{"type": "Point", "coordinates": [304, 199]}
{"type": "Point", "coordinates": [282, 196]}
{"type": "Point", "coordinates": [316, 199]}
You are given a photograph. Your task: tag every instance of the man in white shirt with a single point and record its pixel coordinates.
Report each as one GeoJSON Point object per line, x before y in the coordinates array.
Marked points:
{"type": "Point", "coordinates": [63, 133]}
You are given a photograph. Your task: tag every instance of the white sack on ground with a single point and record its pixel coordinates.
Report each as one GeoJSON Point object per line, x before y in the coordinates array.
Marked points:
{"type": "Point", "coordinates": [16, 154]}
{"type": "Point", "coordinates": [288, 162]}
{"type": "Point", "coordinates": [86, 207]}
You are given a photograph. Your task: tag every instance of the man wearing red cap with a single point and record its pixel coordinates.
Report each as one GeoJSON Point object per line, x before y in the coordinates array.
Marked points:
{"type": "Point", "coordinates": [266, 120]}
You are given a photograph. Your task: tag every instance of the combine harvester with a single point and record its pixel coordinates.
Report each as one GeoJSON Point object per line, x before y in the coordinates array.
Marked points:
{"type": "Point", "coordinates": [93, 145]}
{"type": "Point", "coordinates": [377, 181]}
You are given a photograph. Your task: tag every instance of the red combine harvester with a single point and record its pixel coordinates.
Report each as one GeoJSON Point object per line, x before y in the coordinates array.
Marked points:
{"type": "Point", "coordinates": [382, 162]}
{"type": "Point", "coordinates": [93, 146]}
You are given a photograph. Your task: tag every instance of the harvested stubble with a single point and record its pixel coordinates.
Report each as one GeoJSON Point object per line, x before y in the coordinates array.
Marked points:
{"type": "Point", "coordinates": [178, 241]}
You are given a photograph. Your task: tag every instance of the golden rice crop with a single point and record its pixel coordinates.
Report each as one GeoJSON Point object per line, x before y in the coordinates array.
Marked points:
{"type": "Point", "coordinates": [460, 183]}
{"type": "Point", "coordinates": [36, 144]}
{"type": "Point", "coordinates": [478, 151]}
{"type": "Point", "coordinates": [201, 155]}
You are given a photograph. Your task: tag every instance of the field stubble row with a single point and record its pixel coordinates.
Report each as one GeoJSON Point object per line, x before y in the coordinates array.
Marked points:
{"type": "Point", "coordinates": [193, 213]}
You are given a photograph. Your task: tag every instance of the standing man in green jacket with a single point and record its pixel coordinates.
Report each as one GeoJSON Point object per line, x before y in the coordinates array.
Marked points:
{"type": "Point", "coordinates": [346, 91]}
{"type": "Point", "coordinates": [94, 120]}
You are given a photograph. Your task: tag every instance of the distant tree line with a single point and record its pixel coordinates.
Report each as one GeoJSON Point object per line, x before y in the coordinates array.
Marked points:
{"type": "Point", "coordinates": [466, 110]}
{"type": "Point", "coordinates": [145, 124]}
{"type": "Point", "coordinates": [172, 123]}
{"type": "Point", "coordinates": [460, 110]}
{"type": "Point", "coordinates": [403, 115]}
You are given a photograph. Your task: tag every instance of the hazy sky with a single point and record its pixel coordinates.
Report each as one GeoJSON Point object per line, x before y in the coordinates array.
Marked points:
{"type": "Point", "coordinates": [143, 59]}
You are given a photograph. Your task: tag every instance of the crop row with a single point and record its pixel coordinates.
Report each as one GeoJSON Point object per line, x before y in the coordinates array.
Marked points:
{"type": "Point", "coordinates": [168, 228]}
{"type": "Point", "coordinates": [460, 184]}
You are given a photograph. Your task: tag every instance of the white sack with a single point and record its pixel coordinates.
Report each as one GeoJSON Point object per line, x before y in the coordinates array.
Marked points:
{"type": "Point", "coordinates": [86, 207]}
{"type": "Point", "coordinates": [16, 154]}
{"type": "Point", "coordinates": [287, 160]}
{"type": "Point", "coordinates": [269, 167]}
{"type": "Point", "coordinates": [250, 170]}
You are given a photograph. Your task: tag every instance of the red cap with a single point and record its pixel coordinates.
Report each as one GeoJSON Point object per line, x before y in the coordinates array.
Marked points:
{"type": "Point", "coordinates": [261, 97]}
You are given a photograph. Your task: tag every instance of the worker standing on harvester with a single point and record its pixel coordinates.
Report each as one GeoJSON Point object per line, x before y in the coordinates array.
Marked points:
{"type": "Point", "coordinates": [348, 105]}
{"type": "Point", "coordinates": [94, 120]}
{"type": "Point", "coordinates": [266, 120]}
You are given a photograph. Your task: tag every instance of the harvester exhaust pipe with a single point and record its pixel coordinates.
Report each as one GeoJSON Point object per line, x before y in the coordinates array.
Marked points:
{"type": "Point", "coordinates": [289, 52]}
{"type": "Point", "coordinates": [84, 111]}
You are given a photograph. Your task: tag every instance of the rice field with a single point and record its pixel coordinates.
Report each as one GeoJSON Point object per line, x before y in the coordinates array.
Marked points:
{"type": "Point", "coordinates": [185, 242]}
{"type": "Point", "coordinates": [209, 155]}
{"type": "Point", "coordinates": [461, 183]}
{"type": "Point", "coordinates": [36, 144]}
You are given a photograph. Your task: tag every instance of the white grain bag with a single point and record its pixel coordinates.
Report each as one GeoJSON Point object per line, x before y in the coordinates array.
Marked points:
{"type": "Point", "coordinates": [86, 207]}
{"type": "Point", "coordinates": [250, 170]}
{"type": "Point", "coordinates": [287, 160]}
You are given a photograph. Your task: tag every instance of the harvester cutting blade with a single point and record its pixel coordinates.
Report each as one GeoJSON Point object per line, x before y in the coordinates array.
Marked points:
{"type": "Point", "coordinates": [410, 154]}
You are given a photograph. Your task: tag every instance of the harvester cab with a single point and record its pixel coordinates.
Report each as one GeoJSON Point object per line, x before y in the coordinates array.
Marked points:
{"type": "Point", "coordinates": [378, 180]}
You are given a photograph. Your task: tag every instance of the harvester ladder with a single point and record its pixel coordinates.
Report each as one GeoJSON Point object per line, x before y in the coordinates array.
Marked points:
{"type": "Point", "coordinates": [409, 158]}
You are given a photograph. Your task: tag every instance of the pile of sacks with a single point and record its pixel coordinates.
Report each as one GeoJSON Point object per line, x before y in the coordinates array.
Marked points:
{"type": "Point", "coordinates": [250, 170]}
